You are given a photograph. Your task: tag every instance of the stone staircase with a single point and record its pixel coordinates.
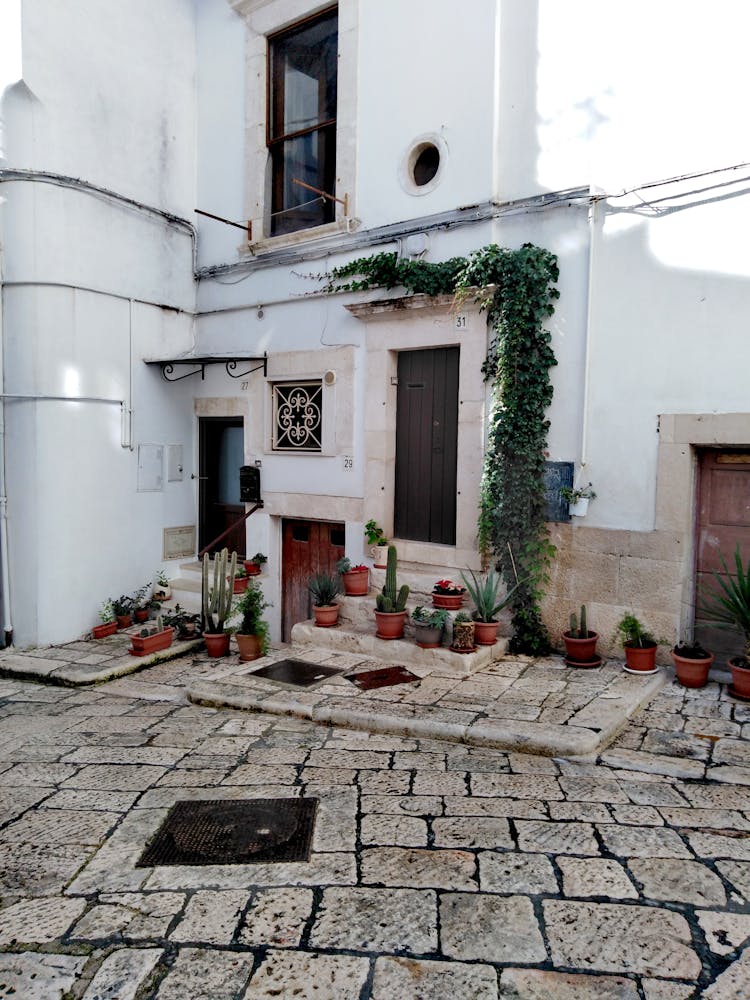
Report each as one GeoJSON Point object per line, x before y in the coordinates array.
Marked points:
{"type": "Point", "coordinates": [355, 632]}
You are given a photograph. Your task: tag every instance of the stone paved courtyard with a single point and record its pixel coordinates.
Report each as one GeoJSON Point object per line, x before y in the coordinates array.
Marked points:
{"type": "Point", "coordinates": [438, 869]}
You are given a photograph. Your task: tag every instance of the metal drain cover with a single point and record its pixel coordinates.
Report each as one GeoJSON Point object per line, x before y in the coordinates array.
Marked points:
{"type": "Point", "coordinates": [298, 673]}
{"type": "Point", "coordinates": [383, 677]}
{"type": "Point", "coordinates": [233, 832]}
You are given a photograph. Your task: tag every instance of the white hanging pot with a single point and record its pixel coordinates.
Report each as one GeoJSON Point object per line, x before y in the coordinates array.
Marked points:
{"type": "Point", "coordinates": [580, 507]}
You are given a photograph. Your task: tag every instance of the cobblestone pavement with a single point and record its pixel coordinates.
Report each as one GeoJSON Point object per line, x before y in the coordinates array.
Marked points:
{"type": "Point", "coordinates": [438, 870]}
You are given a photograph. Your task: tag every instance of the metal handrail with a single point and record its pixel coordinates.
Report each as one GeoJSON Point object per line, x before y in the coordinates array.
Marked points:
{"type": "Point", "coordinates": [227, 531]}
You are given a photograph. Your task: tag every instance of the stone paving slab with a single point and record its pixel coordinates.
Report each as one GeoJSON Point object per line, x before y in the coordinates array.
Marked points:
{"type": "Point", "coordinates": [590, 709]}
{"type": "Point", "coordinates": [79, 664]}
{"type": "Point", "coordinates": [440, 870]}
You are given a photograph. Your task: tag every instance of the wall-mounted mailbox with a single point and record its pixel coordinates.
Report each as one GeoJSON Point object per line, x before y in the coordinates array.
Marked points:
{"type": "Point", "coordinates": [250, 484]}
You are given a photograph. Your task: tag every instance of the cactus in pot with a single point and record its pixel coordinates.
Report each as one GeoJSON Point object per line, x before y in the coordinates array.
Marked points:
{"type": "Point", "coordinates": [217, 599]}
{"type": "Point", "coordinates": [390, 603]}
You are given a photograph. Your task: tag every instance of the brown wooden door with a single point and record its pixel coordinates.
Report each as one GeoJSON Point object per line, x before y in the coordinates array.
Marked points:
{"type": "Point", "coordinates": [426, 445]}
{"type": "Point", "coordinates": [723, 522]}
{"type": "Point", "coordinates": [308, 547]}
{"type": "Point", "coordinates": [220, 457]}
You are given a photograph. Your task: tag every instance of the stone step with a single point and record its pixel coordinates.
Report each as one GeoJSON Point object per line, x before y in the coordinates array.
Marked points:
{"type": "Point", "coordinates": [348, 637]}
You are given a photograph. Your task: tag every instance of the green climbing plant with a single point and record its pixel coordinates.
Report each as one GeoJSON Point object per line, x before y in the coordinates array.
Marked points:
{"type": "Point", "coordinates": [517, 289]}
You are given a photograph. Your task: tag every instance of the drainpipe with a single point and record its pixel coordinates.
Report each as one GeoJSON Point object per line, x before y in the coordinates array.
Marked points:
{"type": "Point", "coordinates": [4, 560]}
{"type": "Point", "coordinates": [593, 221]}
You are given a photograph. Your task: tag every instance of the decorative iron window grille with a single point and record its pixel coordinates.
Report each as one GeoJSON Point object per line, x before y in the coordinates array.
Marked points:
{"type": "Point", "coordinates": [298, 416]}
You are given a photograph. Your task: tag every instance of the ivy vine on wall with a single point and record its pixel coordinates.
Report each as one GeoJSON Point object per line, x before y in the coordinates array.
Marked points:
{"type": "Point", "coordinates": [517, 289]}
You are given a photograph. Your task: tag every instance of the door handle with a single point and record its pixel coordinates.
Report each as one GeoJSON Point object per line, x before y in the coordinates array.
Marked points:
{"type": "Point", "coordinates": [193, 476]}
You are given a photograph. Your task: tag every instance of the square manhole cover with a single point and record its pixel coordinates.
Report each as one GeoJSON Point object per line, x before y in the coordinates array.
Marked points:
{"type": "Point", "coordinates": [383, 677]}
{"type": "Point", "coordinates": [298, 673]}
{"type": "Point", "coordinates": [233, 832]}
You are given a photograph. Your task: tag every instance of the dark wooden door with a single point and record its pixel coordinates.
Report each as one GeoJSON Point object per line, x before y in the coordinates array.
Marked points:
{"type": "Point", "coordinates": [308, 547]}
{"type": "Point", "coordinates": [220, 457]}
{"type": "Point", "coordinates": [723, 522]}
{"type": "Point", "coordinates": [426, 445]}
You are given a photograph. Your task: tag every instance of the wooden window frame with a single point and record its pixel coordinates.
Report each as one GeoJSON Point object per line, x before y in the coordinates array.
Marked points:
{"type": "Point", "coordinates": [325, 129]}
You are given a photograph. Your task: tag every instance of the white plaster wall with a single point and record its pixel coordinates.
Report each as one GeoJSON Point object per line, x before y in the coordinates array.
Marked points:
{"type": "Point", "coordinates": [91, 288]}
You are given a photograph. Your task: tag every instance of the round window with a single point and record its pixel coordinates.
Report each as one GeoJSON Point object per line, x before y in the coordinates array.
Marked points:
{"type": "Point", "coordinates": [426, 164]}
{"type": "Point", "coordinates": [422, 166]}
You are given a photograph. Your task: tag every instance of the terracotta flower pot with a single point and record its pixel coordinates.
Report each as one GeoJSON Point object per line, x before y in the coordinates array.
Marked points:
{"type": "Point", "coordinates": [390, 625]}
{"type": "Point", "coordinates": [580, 650]}
{"type": "Point", "coordinates": [251, 568]}
{"type": "Point", "coordinates": [124, 621]}
{"type": "Point", "coordinates": [692, 673]}
{"type": "Point", "coordinates": [106, 628]}
{"type": "Point", "coordinates": [240, 585]}
{"type": "Point", "coordinates": [485, 633]}
{"type": "Point", "coordinates": [740, 667]}
{"type": "Point", "coordinates": [326, 615]}
{"type": "Point", "coordinates": [356, 582]}
{"type": "Point", "coordinates": [641, 659]}
{"type": "Point", "coordinates": [217, 643]}
{"type": "Point", "coordinates": [143, 645]}
{"type": "Point", "coordinates": [141, 614]}
{"type": "Point", "coordinates": [450, 602]}
{"type": "Point", "coordinates": [249, 647]}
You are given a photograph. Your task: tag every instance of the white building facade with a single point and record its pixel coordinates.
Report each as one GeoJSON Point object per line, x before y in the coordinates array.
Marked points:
{"type": "Point", "coordinates": [438, 128]}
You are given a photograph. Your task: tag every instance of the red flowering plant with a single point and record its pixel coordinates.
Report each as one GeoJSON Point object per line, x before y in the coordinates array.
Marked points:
{"type": "Point", "coordinates": [344, 566]}
{"type": "Point", "coordinates": [448, 587]}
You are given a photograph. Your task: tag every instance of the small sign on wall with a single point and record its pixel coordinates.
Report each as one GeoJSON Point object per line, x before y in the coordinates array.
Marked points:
{"type": "Point", "coordinates": [179, 543]}
{"type": "Point", "coordinates": [150, 468]}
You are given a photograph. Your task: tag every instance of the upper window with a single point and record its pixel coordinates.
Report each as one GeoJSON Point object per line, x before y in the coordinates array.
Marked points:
{"type": "Point", "coordinates": [302, 65]}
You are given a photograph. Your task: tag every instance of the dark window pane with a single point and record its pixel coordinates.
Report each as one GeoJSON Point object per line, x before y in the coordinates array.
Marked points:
{"type": "Point", "coordinates": [301, 532]}
{"type": "Point", "coordinates": [302, 123]}
{"type": "Point", "coordinates": [426, 165]}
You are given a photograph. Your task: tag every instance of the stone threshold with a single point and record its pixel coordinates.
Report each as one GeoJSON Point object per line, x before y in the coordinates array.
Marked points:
{"type": "Point", "coordinates": [477, 716]}
{"type": "Point", "coordinates": [67, 666]}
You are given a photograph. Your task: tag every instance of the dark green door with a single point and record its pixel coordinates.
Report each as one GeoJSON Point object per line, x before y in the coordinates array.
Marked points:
{"type": "Point", "coordinates": [426, 445]}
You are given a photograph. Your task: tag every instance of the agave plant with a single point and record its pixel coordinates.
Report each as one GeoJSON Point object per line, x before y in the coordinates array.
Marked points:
{"type": "Point", "coordinates": [728, 604]}
{"type": "Point", "coordinates": [324, 589]}
{"type": "Point", "coordinates": [483, 591]}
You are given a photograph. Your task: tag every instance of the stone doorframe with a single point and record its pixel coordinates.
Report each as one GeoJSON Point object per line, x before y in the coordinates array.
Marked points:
{"type": "Point", "coordinates": [680, 434]}
{"type": "Point", "coordinates": [414, 323]}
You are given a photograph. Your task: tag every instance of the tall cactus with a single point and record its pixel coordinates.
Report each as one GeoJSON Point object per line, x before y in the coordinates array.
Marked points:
{"type": "Point", "coordinates": [217, 600]}
{"type": "Point", "coordinates": [584, 633]}
{"type": "Point", "coordinates": [391, 599]}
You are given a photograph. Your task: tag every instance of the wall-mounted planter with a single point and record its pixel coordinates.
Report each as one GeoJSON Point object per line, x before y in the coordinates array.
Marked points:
{"type": "Point", "coordinates": [579, 508]}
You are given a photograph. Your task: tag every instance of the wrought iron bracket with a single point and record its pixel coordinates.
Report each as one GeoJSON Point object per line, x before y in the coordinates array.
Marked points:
{"type": "Point", "coordinates": [199, 366]}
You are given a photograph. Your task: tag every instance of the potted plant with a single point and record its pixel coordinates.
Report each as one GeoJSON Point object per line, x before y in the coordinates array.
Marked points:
{"type": "Point", "coordinates": [123, 608]}
{"type": "Point", "coordinates": [691, 664]}
{"type": "Point", "coordinates": [463, 634]}
{"type": "Point", "coordinates": [639, 645]}
{"type": "Point", "coordinates": [580, 642]}
{"type": "Point", "coordinates": [356, 579]}
{"type": "Point", "coordinates": [390, 603]}
{"type": "Point", "coordinates": [578, 499]}
{"type": "Point", "coordinates": [483, 591]}
{"type": "Point", "coordinates": [728, 605]}
{"type": "Point", "coordinates": [324, 590]}
{"type": "Point", "coordinates": [428, 626]}
{"type": "Point", "coordinates": [377, 539]}
{"type": "Point", "coordinates": [151, 639]}
{"type": "Point", "coordinates": [447, 594]}
{"type": "Point", "coordinates": [254, 563]}
{"type": "Point", "coordinates": [252, 632]}
{"type": "Point", "coordinates": [187, 624]}
{"type": "Point", "coordinates": [108, 625]}
{"type": "Point", "coordinates": [141, 602]}
{"type": "Point", "coordinates": [162, 588]}
{"type": "Point", "coordinates": [216, 602]}
{"type": "Point", "coordinates": [240, 580]}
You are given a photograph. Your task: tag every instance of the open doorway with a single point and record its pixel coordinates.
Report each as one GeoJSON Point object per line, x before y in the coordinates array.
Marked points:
{"type": "Point", "coordinates": [221, 453]}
